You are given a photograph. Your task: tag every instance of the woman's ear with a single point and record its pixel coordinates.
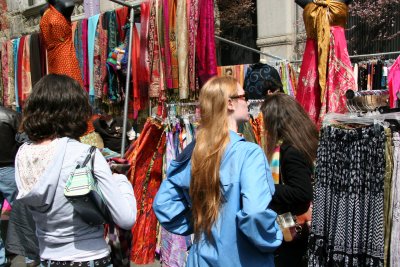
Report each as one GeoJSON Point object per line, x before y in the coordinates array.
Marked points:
{"type": "Point", "coordinates": [231, 106]}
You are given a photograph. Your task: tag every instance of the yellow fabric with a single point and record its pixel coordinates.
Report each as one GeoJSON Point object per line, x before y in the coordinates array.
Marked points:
{"type": "Point", "coordinates": [318, 17]}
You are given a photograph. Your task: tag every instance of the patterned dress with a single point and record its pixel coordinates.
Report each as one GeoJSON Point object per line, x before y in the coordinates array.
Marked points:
{"type": "Point", "coordinates": [57, 35]}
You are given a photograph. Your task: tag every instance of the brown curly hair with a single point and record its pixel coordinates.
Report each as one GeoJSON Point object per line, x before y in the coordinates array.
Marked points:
{"type": "Point", "coordinates": [57, 107]}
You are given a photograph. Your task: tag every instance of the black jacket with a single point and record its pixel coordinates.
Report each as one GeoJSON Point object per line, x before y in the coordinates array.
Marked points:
{"type": "Point", "coordinates": [9, 123]}
{"type": "Point", "coordinates": [296, 173]}
{"type": "Point", "coordinates": [112, 134]}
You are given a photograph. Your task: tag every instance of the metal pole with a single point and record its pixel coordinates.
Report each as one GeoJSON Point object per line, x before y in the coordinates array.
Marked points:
{"type": "Point", "coordinates": [246, 47]}
{"type": "Point", "coordinates": [360, 56]}
{"type": "Point", "coordinates": [376, 54]}
{"type": "Point", "coordinates": [128, 81]}
{"type": "Point", "coordinates": [123, 3]}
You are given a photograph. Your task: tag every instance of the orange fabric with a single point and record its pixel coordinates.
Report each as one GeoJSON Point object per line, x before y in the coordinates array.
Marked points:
{"type": "Point", "coordinates": [57, 36]}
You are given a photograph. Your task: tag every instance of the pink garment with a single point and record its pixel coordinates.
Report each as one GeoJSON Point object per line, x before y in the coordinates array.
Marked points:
{"type": "Point", "coordinates": [144, 78]}
{"type": "Point", "coordinates": [394, 82]}
{"type": "Point", "coordinates": [6, 210]}
{"type": "Point", "coordinates": [205, 42]}
{"type": "Point", "coordinates": [91, 7]}
{"type": "Point", "coordinates": [340, 78]}
{"type": "Point", "coordinates": [26, 81]}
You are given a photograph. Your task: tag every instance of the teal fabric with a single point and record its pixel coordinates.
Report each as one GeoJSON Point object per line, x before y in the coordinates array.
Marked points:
{"type": "Point", "coordinates": [92, 26]}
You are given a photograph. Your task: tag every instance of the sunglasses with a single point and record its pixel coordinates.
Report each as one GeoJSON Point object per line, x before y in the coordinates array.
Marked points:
{"type": "Point", "coordinates": [243, 96]}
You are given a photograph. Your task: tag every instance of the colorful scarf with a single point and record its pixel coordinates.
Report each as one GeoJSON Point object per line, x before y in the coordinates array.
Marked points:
{"type": "Point", "coordinates": [275, 164]}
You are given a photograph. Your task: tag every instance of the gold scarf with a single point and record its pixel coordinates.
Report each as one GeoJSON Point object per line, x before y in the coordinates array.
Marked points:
{"type": "Point", "coordinates": [318, 17]}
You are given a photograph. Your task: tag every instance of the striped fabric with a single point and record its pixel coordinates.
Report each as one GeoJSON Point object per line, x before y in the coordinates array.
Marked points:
{"type": "Point", "coordinates": [275, 166]}
{"type": "Point", "coordinates": [79, 183]}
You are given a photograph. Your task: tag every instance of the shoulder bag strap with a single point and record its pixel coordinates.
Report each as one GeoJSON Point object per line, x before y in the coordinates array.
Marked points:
{"type": "Point", "coordinates": [89, 156]}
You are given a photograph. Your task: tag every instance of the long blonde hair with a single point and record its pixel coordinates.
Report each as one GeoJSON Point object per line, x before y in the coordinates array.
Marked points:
{"type": "Point", "coordinates": [211, 139]}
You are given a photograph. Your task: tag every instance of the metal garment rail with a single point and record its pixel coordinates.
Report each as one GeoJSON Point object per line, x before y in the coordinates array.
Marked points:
{"type": "Point", "coordinates": [362, 56]}
{"type": "Point", "coordinates": [246, 47]}
{"type": "Point", "coordinates": [297, 61]}
{"type": "Point", "coordinates": [128, 73]}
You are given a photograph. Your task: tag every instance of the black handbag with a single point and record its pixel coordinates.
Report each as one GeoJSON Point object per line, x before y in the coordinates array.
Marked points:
{"type": "Point", "coordinates": [82, 192]}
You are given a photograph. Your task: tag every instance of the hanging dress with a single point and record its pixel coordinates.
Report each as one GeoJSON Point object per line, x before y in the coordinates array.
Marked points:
{"type": "Point", "coordinates": [57, 35]}
{"type": "Point", "coordinates": [326, 73]}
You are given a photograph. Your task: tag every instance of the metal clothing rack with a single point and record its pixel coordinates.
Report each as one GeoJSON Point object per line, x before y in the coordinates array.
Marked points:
{"type": "Point", "coordinates": [246, 47]}
{"type": "Point", "coordinates": [128, 74]}
{"type": "Point", "coordinates": [361, 56]}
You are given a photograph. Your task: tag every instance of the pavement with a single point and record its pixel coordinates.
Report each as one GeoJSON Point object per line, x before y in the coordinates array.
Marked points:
{"type": "Point", "coordinates": [19, 261]}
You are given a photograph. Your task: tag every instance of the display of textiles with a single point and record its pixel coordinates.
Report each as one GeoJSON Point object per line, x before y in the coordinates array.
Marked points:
{"type": "Point", "coordinates": [349, 197]}
{"type": "Point", "coordinates": [163, 56]}
{"type": "Point", "coordinates": [372, 74]}
{"type": "Point", "coordinates": [288, 78]}
{"type": "Point", "coordinates": [236, 71]}
{"type": "Point", "coordinates": [286, 73]}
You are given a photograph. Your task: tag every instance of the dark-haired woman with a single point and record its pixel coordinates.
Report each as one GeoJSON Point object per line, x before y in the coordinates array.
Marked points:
{"type": "Point", "coordinates": [291, 148]}
{"type": "Point", "coordinates": [221, 191]}
{"type": "Point", "coordinates": [55, 116]}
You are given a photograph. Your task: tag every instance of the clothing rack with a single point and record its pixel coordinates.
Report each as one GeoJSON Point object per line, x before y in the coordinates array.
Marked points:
{"type": "Point", "coordinates": [246, 47]}
{"type": "Point", "coordinates": [181, 104]}
{"type": "Point", "coordinates": [364, 101]}
{"type": "Point", "coordinates": [128, 74]}
{"type": "Point", "coordinates": [361, 56]}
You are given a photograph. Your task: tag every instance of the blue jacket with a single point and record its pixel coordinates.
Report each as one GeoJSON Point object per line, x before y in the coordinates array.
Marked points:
{"type": "Point", "coordinates": [245, 233]}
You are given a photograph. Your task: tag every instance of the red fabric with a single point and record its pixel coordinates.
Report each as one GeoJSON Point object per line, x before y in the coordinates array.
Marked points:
{"type": "Point", "coordinates": [205, 42]}
{"type": "Point", "coordinates": [340, 78]}
{"type": "Point", "coordinates": [146, 159]}
{"type": "Point", "coordinates": [57, 37]}
{"type": "Point", "coordinates": [43, 56]}
{"type": "Point", "coordinates": [19, 69]}
{"type": "Point", "coordinates": [86, 81]}
{"type": "Point", "coordinates": [122, 19]}
{"type": "Point", "coordinates": [138, 100]}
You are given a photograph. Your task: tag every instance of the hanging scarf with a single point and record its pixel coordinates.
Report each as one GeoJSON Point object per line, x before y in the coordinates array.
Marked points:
{"type": "Point", "coordinates": [144, 58]}
{"type": "Point", "coordinates": [154, 55]}
{"type": "Point", "coordinates": [92, 29]}
{"type": "Point", "coordinates": [16, 47]}
{"type": "Point", "coordinates": [183, 49]}
{"type": "Point", "coordinates": [172, 42]}
{"type": "Point", "coordinates": [205, 43]}
{"type": "Point", "coordinates": [85, 54]}
{"type": "Point", "coordinates": [192, 31]}
{"type": "Point", "coordinates": [275, 163]}
{"type": "Point", "coordinates": [4, 72]}
{"type": "Point", "coordinates": [26, 82]}
{"type": "Point", "coordinates": [122, 19]}
{"type": "Point", "coordinates": [79, 46]}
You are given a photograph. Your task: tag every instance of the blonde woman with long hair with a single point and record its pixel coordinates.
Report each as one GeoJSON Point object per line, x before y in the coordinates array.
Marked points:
{"type": "Point", "coordinates": [220, 186]}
